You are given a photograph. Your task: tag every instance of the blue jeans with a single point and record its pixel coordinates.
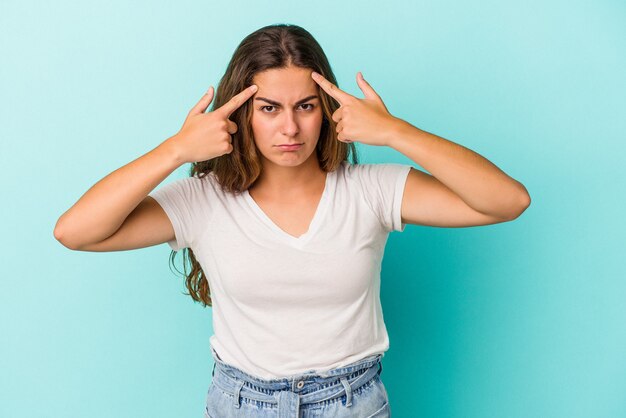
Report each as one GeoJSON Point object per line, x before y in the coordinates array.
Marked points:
{"type": "Point", "coordinates": [354, 390]}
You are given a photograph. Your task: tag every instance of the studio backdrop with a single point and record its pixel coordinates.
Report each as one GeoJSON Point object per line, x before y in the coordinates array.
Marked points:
{"type": "Point", "coordinates": [517, 319]}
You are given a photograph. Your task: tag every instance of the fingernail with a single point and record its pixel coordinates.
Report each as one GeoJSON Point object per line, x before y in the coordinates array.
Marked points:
{"type": "Point", "coordinates": [254, 87]}
{"type": "Point", "coordinates": [207, 92]}
{"type": "Point", "coordinates": [314, 74]}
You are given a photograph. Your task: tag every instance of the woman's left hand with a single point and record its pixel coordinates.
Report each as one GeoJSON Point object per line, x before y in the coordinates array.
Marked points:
{"type": "Point", "coordinates": [364, 120]}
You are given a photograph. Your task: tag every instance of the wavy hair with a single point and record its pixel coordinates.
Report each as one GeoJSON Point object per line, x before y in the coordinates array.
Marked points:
{"type": "Point", "coordinates": [271, 47]}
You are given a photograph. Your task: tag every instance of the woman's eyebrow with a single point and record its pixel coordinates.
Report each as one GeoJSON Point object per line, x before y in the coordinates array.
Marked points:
{"type": "Point", "coordinates": [272, 102]}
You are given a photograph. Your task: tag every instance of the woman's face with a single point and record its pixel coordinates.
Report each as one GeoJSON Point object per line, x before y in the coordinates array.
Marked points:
{"type": "Point", "coordinates": [287, 110]}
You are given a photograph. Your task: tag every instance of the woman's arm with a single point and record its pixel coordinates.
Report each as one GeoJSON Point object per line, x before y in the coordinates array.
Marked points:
{"type": "Point", "coordinates": [459, 173]}
{"type": "Point", "coordinates": [477, 181]}
{"type": "Point", "coordinates": [100, 212]}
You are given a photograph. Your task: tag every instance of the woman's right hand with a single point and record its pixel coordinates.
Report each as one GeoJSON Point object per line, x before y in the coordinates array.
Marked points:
{"type": "Point", "coordinates": [204, 136]}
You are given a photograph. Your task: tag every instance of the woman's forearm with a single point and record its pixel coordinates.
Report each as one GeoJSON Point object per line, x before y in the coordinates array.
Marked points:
{"type": "Point", "coordinates": [100, 212]}
{"type": "Point", "coordinates": [480, 184]}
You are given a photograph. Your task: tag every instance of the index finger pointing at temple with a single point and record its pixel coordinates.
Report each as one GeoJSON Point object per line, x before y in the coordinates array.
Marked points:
{"type": "Point", "coordinates": [237, 100]}
{"type": "Point", "coordinates": [334, 91]}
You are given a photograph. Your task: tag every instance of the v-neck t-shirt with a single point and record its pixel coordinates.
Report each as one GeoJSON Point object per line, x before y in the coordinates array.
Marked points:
{"type": "Point", "coordinates": [285, 305]}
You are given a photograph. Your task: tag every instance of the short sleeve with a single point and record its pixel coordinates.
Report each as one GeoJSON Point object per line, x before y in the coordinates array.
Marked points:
{"type": "Point", "coordinates": [383, 188]}
{"type": "Point", "coordinates": [180, 200]}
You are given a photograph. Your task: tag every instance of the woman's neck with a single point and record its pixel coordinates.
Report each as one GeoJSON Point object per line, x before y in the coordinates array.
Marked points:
{"type": "Point", "coordinates": [285, 182]}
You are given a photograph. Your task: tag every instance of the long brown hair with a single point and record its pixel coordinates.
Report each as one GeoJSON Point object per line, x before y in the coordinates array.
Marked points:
{"type": "Point", "coordinates": [271, 47]}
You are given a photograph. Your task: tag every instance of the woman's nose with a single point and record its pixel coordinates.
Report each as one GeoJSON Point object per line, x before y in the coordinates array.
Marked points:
{"type": "Point", "coordinates": [290, 124]}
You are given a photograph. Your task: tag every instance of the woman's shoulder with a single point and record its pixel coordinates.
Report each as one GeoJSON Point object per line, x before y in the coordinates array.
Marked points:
{"type": "Point", "coordinates": [191, 185]}
{"type": "Point", "coordinates": [351, 170]}
{"type": "Point", "coordinates": [359, 168]}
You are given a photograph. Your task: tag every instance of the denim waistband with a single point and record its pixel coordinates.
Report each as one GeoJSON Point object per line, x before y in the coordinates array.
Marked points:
{"type": "Point", "coordinates": [308, 387]}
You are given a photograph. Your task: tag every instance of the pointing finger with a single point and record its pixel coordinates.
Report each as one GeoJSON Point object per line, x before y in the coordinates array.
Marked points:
{"type": "Point", "coordinates": [334, 91]}
{"type": "Point", "coordinates": [237, 100]}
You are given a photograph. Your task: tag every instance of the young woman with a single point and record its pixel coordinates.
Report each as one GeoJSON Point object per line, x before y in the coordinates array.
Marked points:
{"type": "Point", "coordinates": [283, 234]}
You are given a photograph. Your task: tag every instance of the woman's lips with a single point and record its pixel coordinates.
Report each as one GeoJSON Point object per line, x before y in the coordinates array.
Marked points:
{"type": "Point", "coordinates": [289, 147]}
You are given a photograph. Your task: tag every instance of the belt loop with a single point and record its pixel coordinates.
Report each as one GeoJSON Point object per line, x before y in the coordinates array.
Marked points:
{"type": "Point", "coordinates": [237, 390]}
{"type": "Point", "coordinates": [346, 385]}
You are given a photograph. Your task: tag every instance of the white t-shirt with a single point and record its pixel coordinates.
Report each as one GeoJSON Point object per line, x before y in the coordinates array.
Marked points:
{"type": "Point", "coordinates": [285, 305]}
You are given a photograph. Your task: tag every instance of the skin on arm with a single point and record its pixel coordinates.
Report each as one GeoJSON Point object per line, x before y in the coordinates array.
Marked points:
{"type": "Point", "coordinates": [146, 225]}
{"type": "Point", "coordinates": [465, 189]}
{"type": "Point", "coordinates": [117, 213]}
{"type": "Point", "coordinates": [429, 202]}
{"type": "Point", "coordinates": [103, 213]}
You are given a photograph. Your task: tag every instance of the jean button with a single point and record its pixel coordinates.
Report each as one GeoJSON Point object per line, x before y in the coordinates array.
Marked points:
{"type": "Point", "coordinates": [300, 384]}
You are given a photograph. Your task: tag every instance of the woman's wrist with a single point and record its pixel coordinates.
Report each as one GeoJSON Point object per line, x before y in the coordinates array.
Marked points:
{"type": "Point", "coordinates": [171, 150]}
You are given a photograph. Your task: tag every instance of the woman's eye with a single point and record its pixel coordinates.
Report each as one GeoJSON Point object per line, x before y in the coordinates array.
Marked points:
{"type": "Point", "coordinates": [311, 106]}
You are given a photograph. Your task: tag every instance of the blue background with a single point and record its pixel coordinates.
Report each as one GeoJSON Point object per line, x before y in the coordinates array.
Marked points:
{"type": "Point", "coordinates": [520, 319]}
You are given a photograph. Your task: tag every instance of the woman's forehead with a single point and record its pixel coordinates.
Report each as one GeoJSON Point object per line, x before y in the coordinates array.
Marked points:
{"type": "Point", "coordinates": [284, 79]}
